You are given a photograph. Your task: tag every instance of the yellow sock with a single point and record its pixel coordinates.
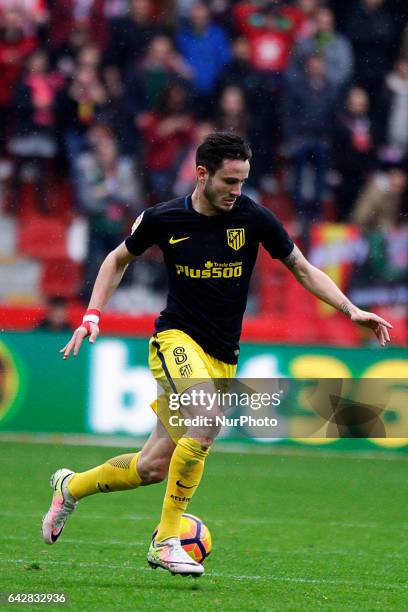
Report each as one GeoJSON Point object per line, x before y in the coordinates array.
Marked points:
{"type": "Point", "coordinates": [117, 474]}
{"type": "Point", "coordinates": [185, 471]}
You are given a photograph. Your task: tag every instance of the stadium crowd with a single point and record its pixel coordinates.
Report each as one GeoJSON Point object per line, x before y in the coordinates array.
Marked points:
{"type": "Point", "coordinates": [116, 94]}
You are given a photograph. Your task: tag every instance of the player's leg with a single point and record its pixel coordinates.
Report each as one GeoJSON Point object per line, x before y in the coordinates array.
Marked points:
{"type": "Point", "coordinates": [188, 460]}
{"type": "Point", "coordinates": [185, 473]}
{"type": "Point", "coordinates": [127, 471]}
{"type": "Point", "coordinates": [124, 472]}
{"type": "Point", "coordinates": [155, 456]}
{"type": "Point", "coordinates": [170, 351]}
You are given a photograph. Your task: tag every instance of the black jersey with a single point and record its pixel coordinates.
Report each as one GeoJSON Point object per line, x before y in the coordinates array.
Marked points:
{"type": "Point", "coordinates": [209, 262]}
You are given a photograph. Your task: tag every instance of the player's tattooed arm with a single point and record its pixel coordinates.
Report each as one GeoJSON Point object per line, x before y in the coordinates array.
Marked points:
{"type": "Point", "coordinates": [296, 262]}
{"type": "Point", "coordinates": [346, 308]}
{"type": "Point", "coordinates": [290, 260]}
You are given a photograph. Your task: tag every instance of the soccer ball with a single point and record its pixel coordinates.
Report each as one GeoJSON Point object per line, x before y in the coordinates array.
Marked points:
{"type": "Point", "coordinates": [195, 537]}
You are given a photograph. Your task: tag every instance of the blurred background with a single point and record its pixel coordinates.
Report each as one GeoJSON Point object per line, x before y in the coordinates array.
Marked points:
{"type": "Point", "coordinates": [102, 105]}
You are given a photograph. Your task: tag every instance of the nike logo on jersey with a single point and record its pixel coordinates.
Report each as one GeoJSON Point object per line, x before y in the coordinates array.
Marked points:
{"type": "Point", "coordinates": [176, 240]}
{"type": "Point", "coordinates": [178, 483]}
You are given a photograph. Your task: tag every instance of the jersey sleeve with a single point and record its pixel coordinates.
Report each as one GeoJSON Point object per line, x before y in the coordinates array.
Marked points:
{"type": "Point", "coordinates": [273, 235]}
{"type": "Point", "coordinates": [143, 234]}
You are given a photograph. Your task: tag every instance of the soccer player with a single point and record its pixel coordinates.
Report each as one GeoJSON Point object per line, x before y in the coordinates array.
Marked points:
{"type": "Point", "coordinates": [209, 241]}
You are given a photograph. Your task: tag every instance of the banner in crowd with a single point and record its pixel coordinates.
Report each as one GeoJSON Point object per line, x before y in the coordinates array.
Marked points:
{"type": "Point", "coordinates": [108, 387]}
{"type": "Point", "coordinates": [371, 267]}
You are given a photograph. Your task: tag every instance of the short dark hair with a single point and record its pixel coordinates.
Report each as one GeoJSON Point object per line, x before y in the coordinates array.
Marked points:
{"type": "Point", "coordinates": [219, 146]}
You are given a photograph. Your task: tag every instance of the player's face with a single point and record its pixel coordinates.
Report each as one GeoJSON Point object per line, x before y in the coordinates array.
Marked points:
{"type": "Point", "coordinates": [223, 188]}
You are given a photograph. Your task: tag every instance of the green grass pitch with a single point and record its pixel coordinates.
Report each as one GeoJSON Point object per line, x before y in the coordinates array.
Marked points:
{"type": "Point", "coordinates": [308, 532]}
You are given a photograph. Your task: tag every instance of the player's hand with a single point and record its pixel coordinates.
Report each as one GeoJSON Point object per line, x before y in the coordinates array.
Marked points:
{"type": "Point", "coordinates": [372, 321]}
{"type": "Point", "coordinates": [78, 336]}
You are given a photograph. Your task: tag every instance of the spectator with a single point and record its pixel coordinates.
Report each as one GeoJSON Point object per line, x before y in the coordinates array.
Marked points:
{"type": "Point", "coordinates": [167, 133]}
{"type": "Point", "coordinates": [34, 138]}
{"type": "Point", "coordinates": [15, 47]}
{"type": "Point", "coordinates": [150, 76]}
{"type": "Point", "coordinates": [307, 116]}
{"type": "Point", "coordinates": [307, 10]}
{"type": "Point", "coordinates": [67, 17]}
{"type": "Point", "coordinates": [271, 29]}
{"type": "Point", "coordinates": [233, 115]}
{"type": "Point", "coordinates": [186, 178]}
{"type": "Point", "coordinates": [391, 114]}
{"type": "Point", "coordinates": [79, 106]}
{"type": "Point", "coordinates": [90, 55]}
{"type": "Point", "coordinates": [334, 47]}
{"type": "Point", "coordinates": [131, 35]}
{"type": "Point", "coordinates": [115, 112]}
{"type": "Point", "coordinates": [34, 13]}
{"type": "Point", "coordinates": [239, 71]}
{"type": "Point", "coordinates": [382, 199]}
{"type": "Point", "coordinates": [65, 56]}
{"type": "Point", "coordinates": [206, 48]}
{"type": "Point", "coordinates": [371, 32]}
{"type": "Point", "coordinates": [108, 193]}
{"type": "Point", "coordinates": [353, 148]}
{"type": "Point", "coordinates": [56, 319]}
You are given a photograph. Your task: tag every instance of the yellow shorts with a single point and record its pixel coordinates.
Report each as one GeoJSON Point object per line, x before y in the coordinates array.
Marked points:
{"type": "Point", "coordinates": [177, 363]}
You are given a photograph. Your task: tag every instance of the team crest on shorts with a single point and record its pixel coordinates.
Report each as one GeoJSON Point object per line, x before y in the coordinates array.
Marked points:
{"type": "Point", "coordinates": [236, 238]}
{"type": "Point", "coordinates": [186, 370]}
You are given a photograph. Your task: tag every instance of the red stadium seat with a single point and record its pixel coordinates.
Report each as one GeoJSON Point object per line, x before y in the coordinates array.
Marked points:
{"type": "Point", "coordinates": [59, 199]}
{"type": "Point", "coordinates": [61, 277]}
{"type": "Point", "coordinates": [43, 238]}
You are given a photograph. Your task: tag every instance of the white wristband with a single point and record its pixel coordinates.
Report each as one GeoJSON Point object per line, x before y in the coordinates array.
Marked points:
{"type": "Point", "coordinates": [91, 318]}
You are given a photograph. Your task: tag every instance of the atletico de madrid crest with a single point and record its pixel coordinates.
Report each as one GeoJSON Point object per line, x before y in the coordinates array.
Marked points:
{"type": "Point", "coordinates": [236, 238]}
